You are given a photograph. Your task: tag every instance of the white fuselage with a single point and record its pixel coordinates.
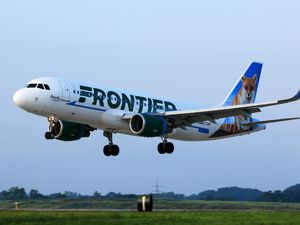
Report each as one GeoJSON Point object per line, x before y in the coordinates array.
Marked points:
{"type": "Point", "coordinates": [104, 108]}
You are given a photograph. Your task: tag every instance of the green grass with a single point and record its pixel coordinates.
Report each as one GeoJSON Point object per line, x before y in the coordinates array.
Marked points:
{"type": "Point", "coordinates": [157, 218]}
{"type": "Point", "coordinates": [130, 204]}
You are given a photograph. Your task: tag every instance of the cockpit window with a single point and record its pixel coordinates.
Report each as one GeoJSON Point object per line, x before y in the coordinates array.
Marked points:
{"type": "Point", "coordinates": [47, 87]}
{"type": "Point", "coordinates": [40, 86]}
{"type": "Point", "coordinates": [31, 85]}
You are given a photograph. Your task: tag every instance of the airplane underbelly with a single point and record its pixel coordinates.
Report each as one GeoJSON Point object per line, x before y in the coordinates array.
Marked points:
{"type": "Point", "coordinates": [195, 132]}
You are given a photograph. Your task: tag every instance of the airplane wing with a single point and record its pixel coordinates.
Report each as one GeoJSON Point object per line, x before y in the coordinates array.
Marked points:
{"type": "Point", "coordinates": [187, 117]}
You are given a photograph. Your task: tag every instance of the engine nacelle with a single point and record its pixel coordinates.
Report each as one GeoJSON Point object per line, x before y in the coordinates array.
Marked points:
{"type": "Point", "coordinates": [68, 131]}
{"type": "Point", "coordinates": [148, 125]}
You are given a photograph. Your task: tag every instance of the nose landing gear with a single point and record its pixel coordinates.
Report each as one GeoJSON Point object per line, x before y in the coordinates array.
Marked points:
{"type": "Point", "coordinates": [53, 128]}
{"type": "Point", "coordinates": [49, 135]}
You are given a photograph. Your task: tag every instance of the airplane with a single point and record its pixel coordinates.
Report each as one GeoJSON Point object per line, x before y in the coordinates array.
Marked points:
{"type": "Point", "coordinates": [74, 109]}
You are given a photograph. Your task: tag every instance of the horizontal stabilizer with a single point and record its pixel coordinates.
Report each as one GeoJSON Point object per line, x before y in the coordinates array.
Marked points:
{"type": "Point", "coordinates": [270, 121]}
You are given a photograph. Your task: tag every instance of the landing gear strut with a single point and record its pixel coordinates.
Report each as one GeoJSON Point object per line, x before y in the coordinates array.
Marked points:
{"type": "Point", "coordinates": [110, 149]}
{"type": "Point", "coordinates": [165, 147]}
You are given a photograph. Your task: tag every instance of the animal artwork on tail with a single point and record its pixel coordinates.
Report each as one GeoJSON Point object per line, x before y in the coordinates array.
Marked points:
{"type": "Point", "coordinates": [243, 93]}
{"type": "Point", "coordinates": [246, 93]}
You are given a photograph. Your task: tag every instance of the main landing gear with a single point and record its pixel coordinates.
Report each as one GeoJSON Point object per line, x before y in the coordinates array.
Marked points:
{"type": "Point", "coordinates": [113, 150]}
{"type": "Point", "coordinates": [110, 149]}
{"type": "Point", "coordinates": [165, 147]}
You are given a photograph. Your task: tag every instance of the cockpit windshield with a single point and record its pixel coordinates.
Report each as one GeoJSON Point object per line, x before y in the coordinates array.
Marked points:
{"type": "Point", "coordinates": [41, 86]}
{"type": "Point", "coordinates": [31, 85]}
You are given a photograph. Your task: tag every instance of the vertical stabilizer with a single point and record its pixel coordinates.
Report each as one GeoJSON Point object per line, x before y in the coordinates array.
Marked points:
{"type": "Point", "coordinates": [244, 91]}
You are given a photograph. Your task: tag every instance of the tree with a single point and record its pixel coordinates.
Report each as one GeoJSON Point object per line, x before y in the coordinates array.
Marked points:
{"type": "Point", "coordinates": [14, 193]}
{"type": "Point", "coordinates": [97, 194]}
{"type": "Point", "coordinates": [113, 195]}
{"type": "Point", "coordinates": [56, 196]}
{"type": "Point", "coordinates": [71, 195]}
{"type": "Point", "coordinates": [34, 194]}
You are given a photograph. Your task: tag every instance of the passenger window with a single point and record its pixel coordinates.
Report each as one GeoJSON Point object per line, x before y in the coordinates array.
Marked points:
{"type": "Point", "coordinates": [47, 87]}
{"type": "Point", "coordinates": [31, 85]}
{"type": "Point", "coordinates": [40, 86]}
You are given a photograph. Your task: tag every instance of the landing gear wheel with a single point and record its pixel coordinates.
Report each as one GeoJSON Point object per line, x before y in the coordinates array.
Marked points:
{"type": "Point", "coordinates": [165, 147]}
{"type": "Point", "coordinates": [115, 150]}
{"type": "Point", "coordinates": [169, 147]}
{"type": "Point", "coordinates": [107, 150]}
{"type": "Point", "coordinates": [160, 148]}
{"type": "Point", "coordinates": [111, 150]}
{"type": "Point", "coordinates": [49, 135]}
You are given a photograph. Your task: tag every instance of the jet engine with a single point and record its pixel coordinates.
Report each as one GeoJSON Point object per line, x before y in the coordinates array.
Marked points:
{"type": "Point", "coordinates": [67, 131]}
{"type": "Point", "coordinates": [148, 125]}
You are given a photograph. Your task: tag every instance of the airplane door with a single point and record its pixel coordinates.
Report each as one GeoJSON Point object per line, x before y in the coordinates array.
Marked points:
{"type": "Point", "coordinates": [65, 90]}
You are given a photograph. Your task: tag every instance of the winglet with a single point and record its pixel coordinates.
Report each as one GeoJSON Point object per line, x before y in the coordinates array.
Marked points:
{"type": "Point", "coordinates": [297, 96]}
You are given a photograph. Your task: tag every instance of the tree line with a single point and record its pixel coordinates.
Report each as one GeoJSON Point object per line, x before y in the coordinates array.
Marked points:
{"type": "Point", "coordinates": [291, 194]}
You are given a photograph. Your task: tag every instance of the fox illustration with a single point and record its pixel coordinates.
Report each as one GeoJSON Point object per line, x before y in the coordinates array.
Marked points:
{"type": "Point", "coordinates": [246, 93]}
{"type": "Point", "coordinates": [244, 96]}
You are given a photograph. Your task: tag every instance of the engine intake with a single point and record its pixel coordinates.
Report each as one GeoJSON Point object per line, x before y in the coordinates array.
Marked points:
{"type": "Point", "coordinates": [147, 125]}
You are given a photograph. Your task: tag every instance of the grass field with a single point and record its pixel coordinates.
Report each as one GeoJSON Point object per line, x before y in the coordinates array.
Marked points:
{"type": "Point", "coordinates": [160, 204]}
{"type": "Point", "coordinates": [157, 218]}
{"type": "Point", "coordinates": [77, 212]}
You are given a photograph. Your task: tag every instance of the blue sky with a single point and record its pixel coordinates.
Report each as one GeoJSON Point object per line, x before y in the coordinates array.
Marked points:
{"type": "Point", "coordinates": [187, 50]}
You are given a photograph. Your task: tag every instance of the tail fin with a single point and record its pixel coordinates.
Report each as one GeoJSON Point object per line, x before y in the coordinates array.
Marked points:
{"type": "Point", "coordinates": [244, 91]}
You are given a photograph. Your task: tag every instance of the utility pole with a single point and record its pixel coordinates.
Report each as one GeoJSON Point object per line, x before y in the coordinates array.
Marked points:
{"type": "Point", "coordinates": [157, 188]}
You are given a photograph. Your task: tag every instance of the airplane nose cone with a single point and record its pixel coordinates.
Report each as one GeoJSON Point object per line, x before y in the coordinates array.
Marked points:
{"type": "Point", "coordinates": [18, 99]}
